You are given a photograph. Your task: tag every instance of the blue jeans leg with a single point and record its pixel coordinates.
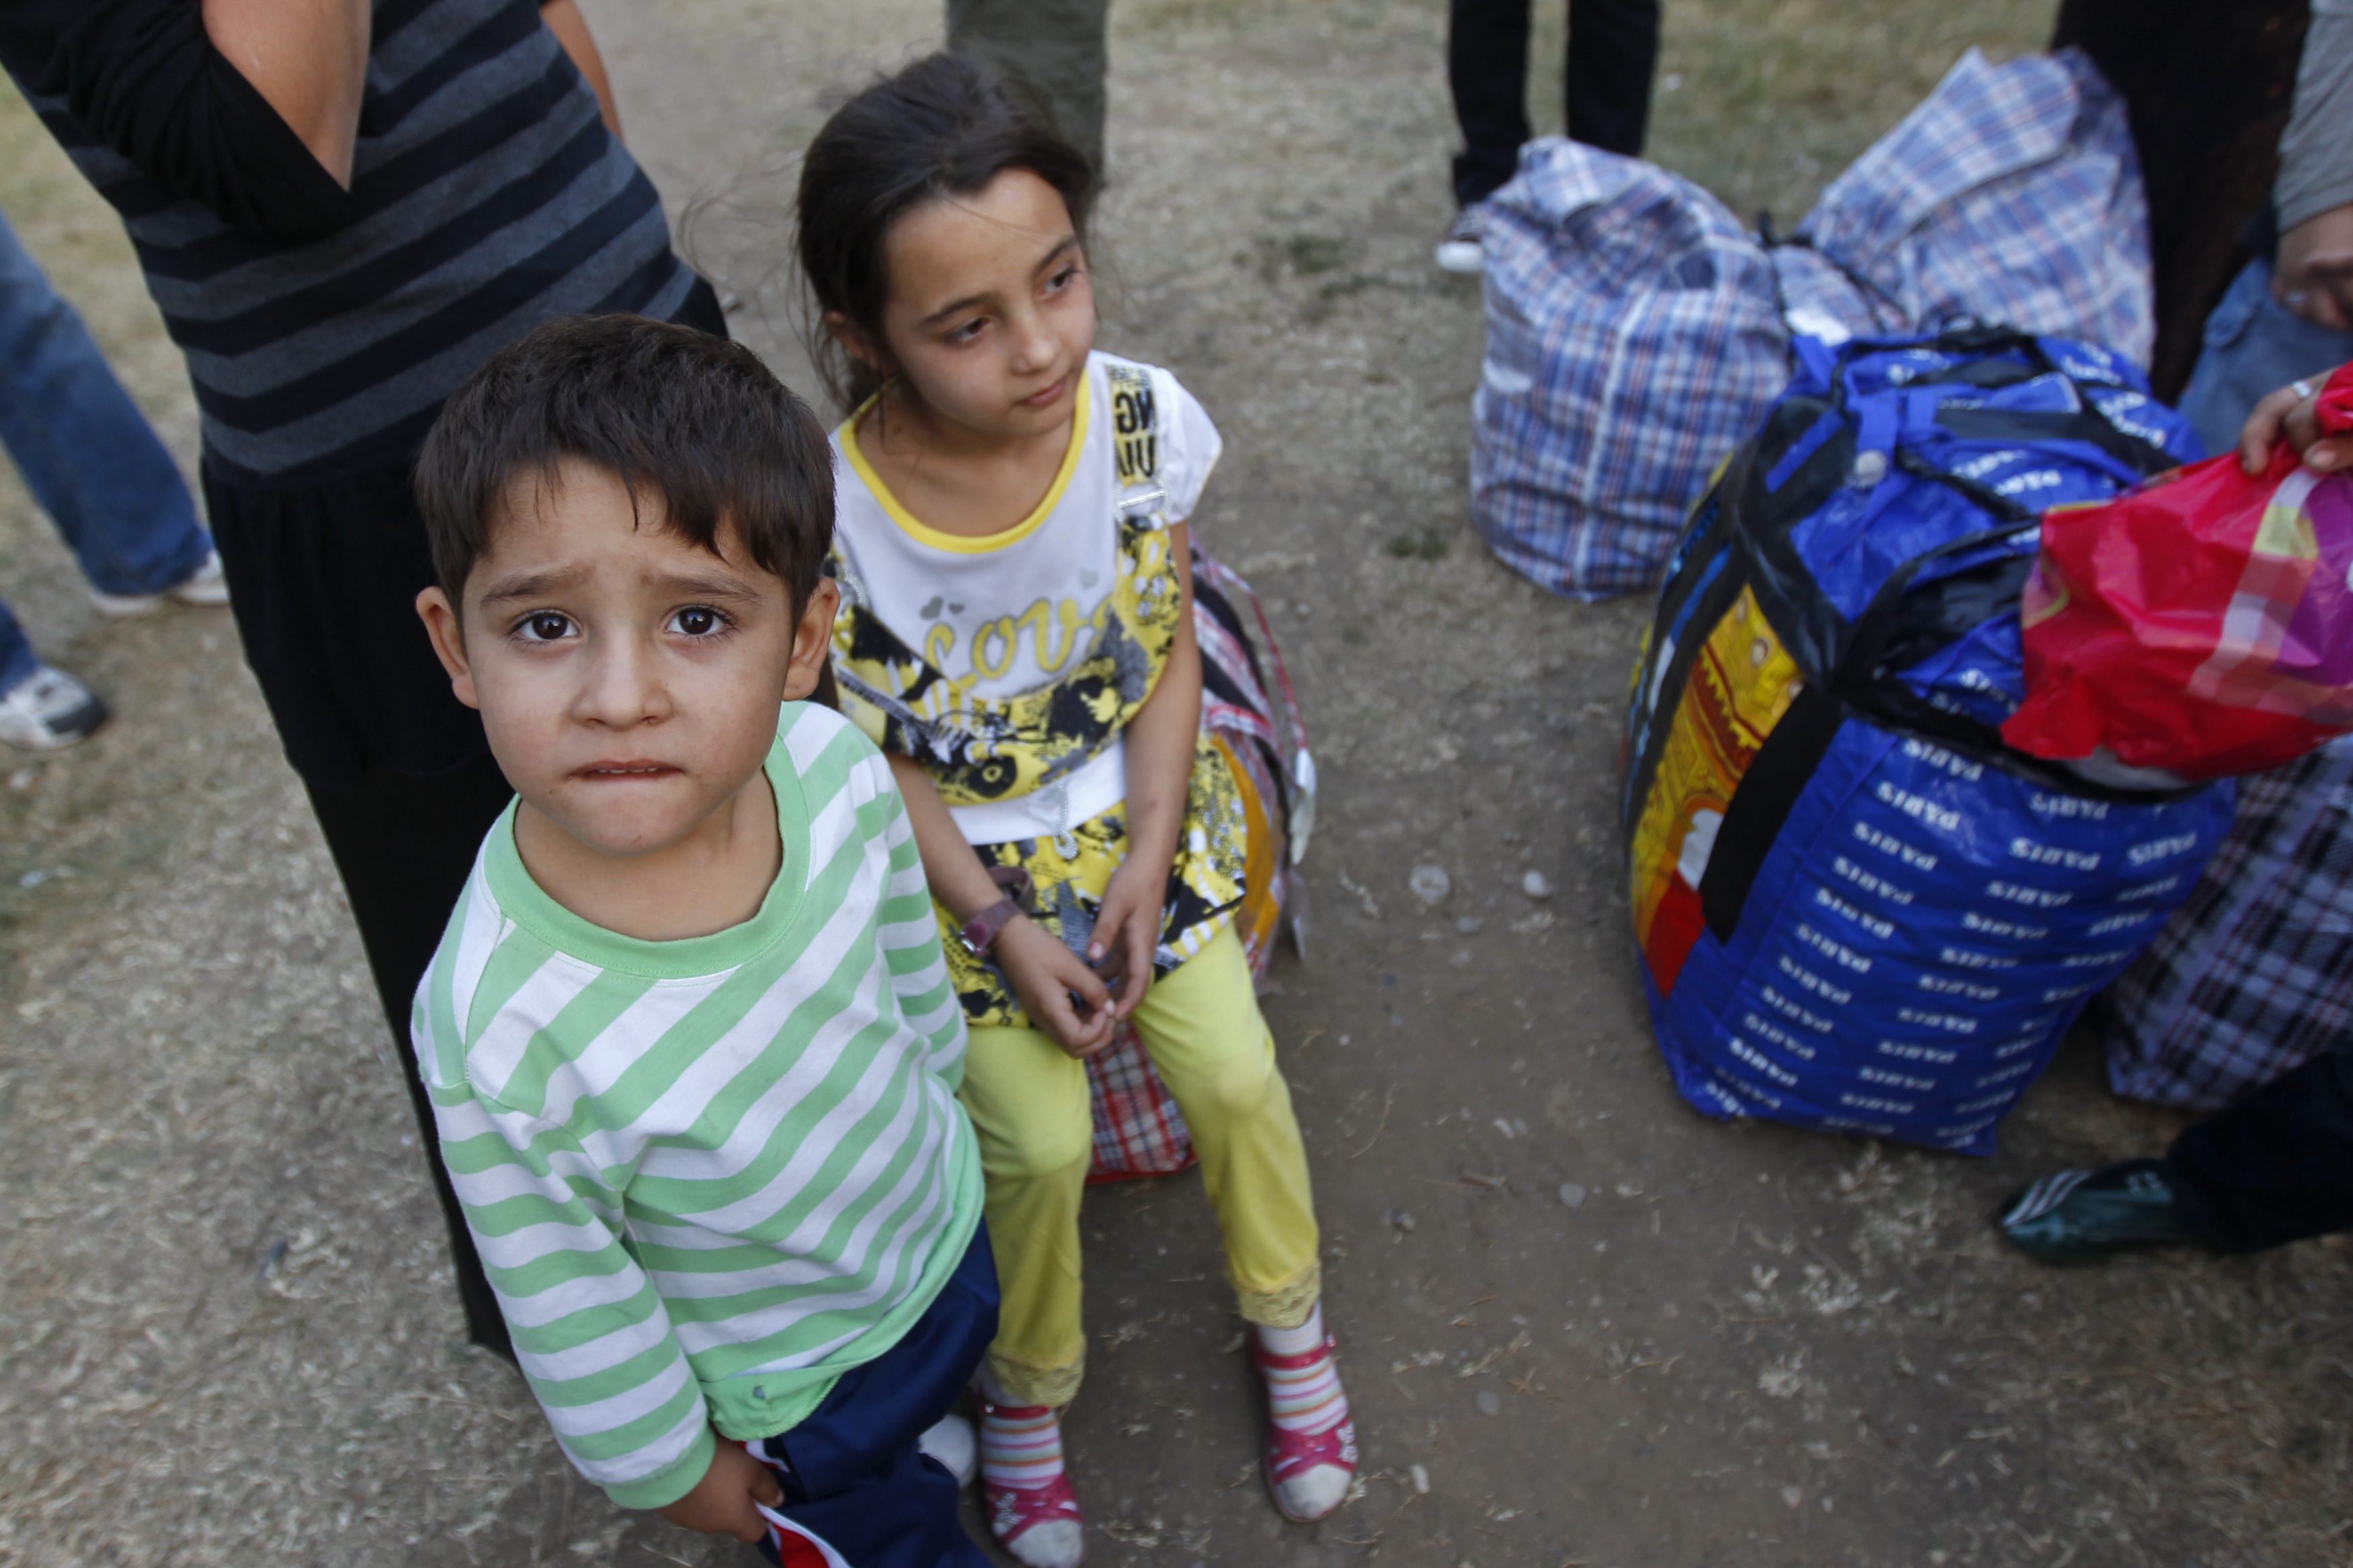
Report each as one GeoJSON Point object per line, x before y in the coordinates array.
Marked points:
{"type": "Point", "coordinates": [2255, 346]}
{"type": "Point", "coordinates": [87, 453]}
{"type": "Point", "coordinates": [18, 660]}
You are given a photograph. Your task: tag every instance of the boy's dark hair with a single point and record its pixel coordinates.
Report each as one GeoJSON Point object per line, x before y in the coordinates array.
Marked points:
{"type": "Point", "coordinates": [693, 418]}
{"type": "Point", "coordinates": [944, 126]}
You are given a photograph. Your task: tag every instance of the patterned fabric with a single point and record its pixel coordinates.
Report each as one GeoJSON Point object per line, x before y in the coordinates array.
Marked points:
{"type": "Point", "coordinates": [1069, 873]}
{"type": "Point", "coordinates": [1256, 724]}
{"type": "Point", "coordinates": [2254, 973]}
{"type": "Point", "coordinates": [1636, 332]}
{"type": "Point", "coordinates": [709, 1176]}
{"type": "Point", "coordinates": [980, 749]}
{"type": "Point", "coordinates": [1633, 339]}
{"type": "Point", "coordinates": [2012, 195]}
{"type": "Point", "coordinates": [1252, 804]}
{"type": "Point", "coordinates": [486, 196]}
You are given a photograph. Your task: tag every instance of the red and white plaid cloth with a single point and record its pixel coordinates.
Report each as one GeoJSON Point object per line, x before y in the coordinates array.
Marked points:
{"type": "Point", "coordinates": [1139, 1132]}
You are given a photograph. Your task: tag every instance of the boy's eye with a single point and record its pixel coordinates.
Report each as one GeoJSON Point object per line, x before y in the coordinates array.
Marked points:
{"type": "Point", "coordinates": [697, 621]}
{"type": "Point", "coordinates": [544, 625]}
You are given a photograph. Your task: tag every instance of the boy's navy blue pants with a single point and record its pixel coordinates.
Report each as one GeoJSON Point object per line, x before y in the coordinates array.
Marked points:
{"type": "Point", "coordinates": [857, 1489]}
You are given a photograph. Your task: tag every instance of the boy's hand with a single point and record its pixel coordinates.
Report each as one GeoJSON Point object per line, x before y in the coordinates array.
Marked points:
{"type": "Point", "coordinates": [1127, 928]}
{"type": "Point", "coordinates": [1044, 975]}
{"type": "Point", "coordinates": [721, 1501]}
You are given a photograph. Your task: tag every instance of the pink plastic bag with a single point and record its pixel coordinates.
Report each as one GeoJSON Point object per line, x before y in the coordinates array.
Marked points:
{"type": "Point", "coordinates": [2202, 623]}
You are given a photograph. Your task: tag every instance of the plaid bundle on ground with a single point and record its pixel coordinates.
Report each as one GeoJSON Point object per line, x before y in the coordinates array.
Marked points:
{"type": "Point", "coordinates": [2254, 973]}
{"type": "Point", "coordinates": [1636, 331]}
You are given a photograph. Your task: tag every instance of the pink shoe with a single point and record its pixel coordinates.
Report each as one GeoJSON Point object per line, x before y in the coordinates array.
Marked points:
{"type": "Point", "coordinates": [1041, 1526]}
{"type": "Point", "coordinates": [1309, 1473]}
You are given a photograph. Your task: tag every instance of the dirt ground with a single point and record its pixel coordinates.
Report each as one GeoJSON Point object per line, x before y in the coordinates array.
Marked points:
{"type": "Point", "coordinates": [1581, 1324]}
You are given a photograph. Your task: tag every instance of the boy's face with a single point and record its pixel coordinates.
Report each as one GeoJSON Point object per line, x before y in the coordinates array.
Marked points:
{"type": "Point", "coordinates": [627, 679]}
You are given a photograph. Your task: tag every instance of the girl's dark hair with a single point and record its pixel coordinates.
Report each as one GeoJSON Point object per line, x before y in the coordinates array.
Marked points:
{"type": "Point", "coordinates": [944, 126]}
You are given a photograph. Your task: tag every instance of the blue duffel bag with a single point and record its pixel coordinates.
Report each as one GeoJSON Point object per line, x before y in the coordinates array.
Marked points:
{"type": "Point", "coordinates": [1857, 909]}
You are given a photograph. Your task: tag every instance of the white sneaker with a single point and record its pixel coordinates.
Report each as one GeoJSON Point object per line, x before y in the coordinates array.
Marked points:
{"type": "Point", "coordinates": [49, 711]}
{"type": "Point", "coordinates": [204, 586]}
{"type": "Point", "coordinates": [1458, 248]}
{"type": "Point", "coordinates": [951, 1442]}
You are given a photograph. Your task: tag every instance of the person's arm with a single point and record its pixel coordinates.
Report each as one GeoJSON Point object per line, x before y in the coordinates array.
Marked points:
{"type": "Point", "coordinates": [2293, 414]}
{"type": "Point", "coordinates": [1044, 974]}
{"type": "Point", "coordinates": [307, 59]}
{"type": "Point", "coordinates": [571, 29]}
{"type": "Point", "coordinates": [2313, 195]}
{"type": "Point", "coordinates": [1160, 743]}
{"type": "Point", "coordinates": [591, 1334]}
{"type": "Point", "coordinates": [145, 78]}
{"type": "Point", "coordinates": [910, 935]}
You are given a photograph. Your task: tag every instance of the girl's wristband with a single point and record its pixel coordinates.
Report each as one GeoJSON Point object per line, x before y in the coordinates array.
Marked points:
{"type": "Point", "coordinates": [979, 934]}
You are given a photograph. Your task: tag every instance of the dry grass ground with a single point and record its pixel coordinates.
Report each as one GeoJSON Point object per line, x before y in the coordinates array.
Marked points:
{"type": "Point", "coordinates": [225, 1336]}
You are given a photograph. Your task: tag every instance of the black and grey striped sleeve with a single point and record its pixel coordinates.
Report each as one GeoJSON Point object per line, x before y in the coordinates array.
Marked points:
{"type": "Point", "coordinates": [141, 76]}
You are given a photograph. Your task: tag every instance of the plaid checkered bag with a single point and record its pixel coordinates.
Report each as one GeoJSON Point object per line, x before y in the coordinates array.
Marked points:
{"type": "Point", "coordinates": [2254, 973]}
{"type": "Point", "coordinates": [2013, 194]}
{"type": "Point", "coordinates": [1636, 332]}
{"type": "Point", "coordinates": [1248, 710]}
{"type": "Point", "coordinates": [1633, 340]}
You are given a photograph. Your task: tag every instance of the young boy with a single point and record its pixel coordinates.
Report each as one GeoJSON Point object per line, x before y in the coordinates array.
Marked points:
{"type": "Point", "coordinates": [691, 1040]}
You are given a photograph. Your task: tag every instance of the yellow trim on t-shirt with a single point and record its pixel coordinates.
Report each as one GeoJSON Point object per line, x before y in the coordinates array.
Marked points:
{"type": "Point", "coordinates": [922, 532]}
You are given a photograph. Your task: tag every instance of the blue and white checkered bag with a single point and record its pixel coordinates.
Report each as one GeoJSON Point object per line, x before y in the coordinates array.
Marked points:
{"type": "Point", "coordinates": [2012, 195]}
{"type": "Point", "coordinates": [1636, 332]}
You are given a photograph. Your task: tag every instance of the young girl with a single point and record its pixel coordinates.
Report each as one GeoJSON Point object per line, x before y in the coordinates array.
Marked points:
{"type": "Point", "coordinates": [1018, 636]}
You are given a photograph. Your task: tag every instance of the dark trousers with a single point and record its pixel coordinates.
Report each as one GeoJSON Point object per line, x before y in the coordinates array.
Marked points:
{"type": "Point", "coordinates": [1054, 47]}
{"type": "Point", "coordinates": [854, 1483]}
{"type": "Point", "coordinates": [2208, 85]}
{"type": "Point", "coordinates": [2277, 1166]}
{"type": "Point", "coordinates": [405, 846]}
{"type": "Point", "coordinates": [1613, 45]}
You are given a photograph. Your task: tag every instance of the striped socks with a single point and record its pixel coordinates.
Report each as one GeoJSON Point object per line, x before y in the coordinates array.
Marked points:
{"type": "Point", "coordinates": [1031, 1510]}
{"type": "Point", "coordinates": [1020, 1446]}
{"type": "Point", "coordinates": [1303, 1388]}
{"type": "Point", "coordinates": [1311, 1443]}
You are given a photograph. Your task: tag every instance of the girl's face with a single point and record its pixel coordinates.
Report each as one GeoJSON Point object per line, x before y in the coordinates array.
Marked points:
{"type": "Point", "coordinates": [991, 312]}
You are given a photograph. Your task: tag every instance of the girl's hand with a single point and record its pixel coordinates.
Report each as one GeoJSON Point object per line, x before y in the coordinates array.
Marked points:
{"type": "Point", "coordinates": [722, 1503]}
{"type": "Point", "coordinates": [1127, 928]}
{"type": "Point", "coordinates": [1044, 974]}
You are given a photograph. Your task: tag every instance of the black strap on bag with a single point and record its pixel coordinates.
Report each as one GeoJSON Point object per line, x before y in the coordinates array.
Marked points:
{"type": "Point", "coordinates": [1856, 663]}
{"type": "Point", "coordinates": [1766, 793]}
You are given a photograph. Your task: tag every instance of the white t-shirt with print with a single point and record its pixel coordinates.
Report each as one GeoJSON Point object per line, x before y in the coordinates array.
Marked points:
{"type": "Point", "coordinates": [1010, 613]}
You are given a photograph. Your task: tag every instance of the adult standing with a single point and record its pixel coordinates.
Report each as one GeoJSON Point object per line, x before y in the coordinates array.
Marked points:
{"type": "Point", "coordinates": [2208, 85]}
{"type": "Point", "coordinates": [2289, 312]}
{"type": "Point", "coordinates": [1613, 47]}
{"type": "Point", "coordinates": [1055, 48]}
{"type": "Point", "coordinates": [93, 462]}
{"type": "Point", "coordinates": [343, 208]}
{"type": "Point", "coordinates": [2276, 1165]}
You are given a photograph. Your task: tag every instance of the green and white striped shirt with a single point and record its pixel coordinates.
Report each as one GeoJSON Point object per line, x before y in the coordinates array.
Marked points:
{"type": "Point", "coordinates": [709, 1176]}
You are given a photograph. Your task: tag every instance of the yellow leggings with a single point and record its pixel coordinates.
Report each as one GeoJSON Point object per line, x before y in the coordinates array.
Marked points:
{"type": "Point", "coordinates": [1029, 1104]}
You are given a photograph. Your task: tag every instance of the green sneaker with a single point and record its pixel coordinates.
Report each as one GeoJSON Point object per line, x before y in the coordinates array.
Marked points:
{"type": "Point", "coordinates": [2081, 1217]}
